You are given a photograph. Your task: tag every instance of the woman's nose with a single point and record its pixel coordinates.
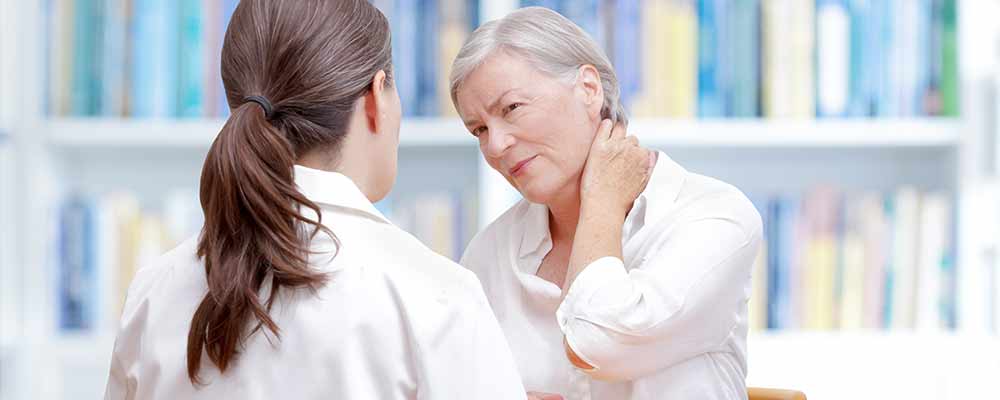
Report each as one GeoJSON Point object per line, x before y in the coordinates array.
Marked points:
{"type": "Point", "coordinates": [498, 141]}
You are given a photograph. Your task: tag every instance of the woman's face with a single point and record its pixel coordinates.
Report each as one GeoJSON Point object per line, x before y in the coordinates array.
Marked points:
{"type": "Point", "coordinates": [535, 129]}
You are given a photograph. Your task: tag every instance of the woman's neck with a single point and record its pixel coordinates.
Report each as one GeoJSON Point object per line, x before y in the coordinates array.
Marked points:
{"type": "Point", "coordinates": [350, 160]}
{"type": "Point", "coordinates": [563, 218]}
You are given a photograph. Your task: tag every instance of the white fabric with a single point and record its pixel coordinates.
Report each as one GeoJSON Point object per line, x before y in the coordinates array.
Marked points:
{"type": "Point", "coordinates": [670, 322]}
{"type": "Point", "coordinates": [396, 321]}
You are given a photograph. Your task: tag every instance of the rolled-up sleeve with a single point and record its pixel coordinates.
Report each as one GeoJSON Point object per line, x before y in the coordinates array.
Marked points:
{"type": "Point", "coordinates": [684, 298]}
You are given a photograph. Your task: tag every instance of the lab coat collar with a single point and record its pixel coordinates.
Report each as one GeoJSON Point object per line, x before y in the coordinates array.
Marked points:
{"type": "Point", "coordinates": [334, 189]}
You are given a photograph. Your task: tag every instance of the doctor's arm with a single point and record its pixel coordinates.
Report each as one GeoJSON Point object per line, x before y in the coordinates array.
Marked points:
{"type": "Point", "coordinates": [117, 387]}
{"type": "Point", "coordinates": [468, 357]}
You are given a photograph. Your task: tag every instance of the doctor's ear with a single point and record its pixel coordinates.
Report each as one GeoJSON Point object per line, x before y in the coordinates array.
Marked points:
{"type": "Point", "coordinates": [590, 88]}
{"type": "Point", "coordinates": [376, 101]}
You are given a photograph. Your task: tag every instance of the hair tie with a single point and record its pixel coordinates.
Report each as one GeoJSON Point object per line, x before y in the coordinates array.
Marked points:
{"type": "Point", "coordinates": [266, 105]}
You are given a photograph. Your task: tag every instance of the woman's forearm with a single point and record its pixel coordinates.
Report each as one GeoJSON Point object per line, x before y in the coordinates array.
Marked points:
{"type": "Point", "coordinates": [598, 234]}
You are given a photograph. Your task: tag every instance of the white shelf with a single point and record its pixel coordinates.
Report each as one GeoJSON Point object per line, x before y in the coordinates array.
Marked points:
{"type": "Point", "coordinates": [199, 133]}
{"type": "Point", "coordinates": [749, 133]}
{"type": "Point", "coordinates": [822, 133]}
{"type": "Point", "coordinates": [876, 365]}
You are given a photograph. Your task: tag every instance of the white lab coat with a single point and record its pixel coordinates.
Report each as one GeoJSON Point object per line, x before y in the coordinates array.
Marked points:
{"type": "Point", "coordinates": [396, 321]}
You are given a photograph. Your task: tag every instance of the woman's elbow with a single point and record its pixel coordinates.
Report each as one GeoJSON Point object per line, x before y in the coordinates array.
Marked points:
{"type": "Point", "coordinates": [594, 353]}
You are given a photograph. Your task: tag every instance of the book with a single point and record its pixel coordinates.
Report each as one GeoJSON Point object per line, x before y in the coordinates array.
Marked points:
{"type": "Point", "coordinates": [88, 25]}
{"type": "Point", "coordinates": [833, 57]}
{"type": "Point", "coordinates": [191, 65]}
{"type": "Point", "coordinates": [628, 19]}
{"type": "Point", "coordinates": [844, 260]}
{"type": "Point", "coordinates": [427, 65]}
{"type": "Point", "coordinates": [864, 61]}
{"type": "Point", "coordinates": [228, 7]}
{"type": "Point", "coordinates": [585, 14]}
{"type": "Point", "coordinates": [434, 218]}
{"type": "Point", "coordinates": [820, 260]}
{"type": "Point", "coordinates": [852, 267]}
{"type": "Point", "coordinates": [903, 268]}
{"type": "Point", "coordinates": [682, 55]}
{"type": "Point", "coordinates": [743, 38]}
{"type": "Point", "coordinates": [933, 263]}
{"type": "Point", "coordinates": [77, 292]}
{"type": "Point", "coordinates": [757, 305]}
{"type": "Point", "coordinates": [58, 56]}
{"type": "Point", "coordinates": [949, 58]}
{"type": "Point", "coordinates": [713, 25]}
{"type": "Point", "coordinates": [114, 62]}
{"type": "Point", "coordinates": [451, 35]}
{"type": "Point", "coordinates": [405, 54]}
{"type": "Point", "coordinates": [153, 91]}
{"type": "Point", "coordinates": [777, 53]}
{"type": "Point", "coordinates": [802, 90]}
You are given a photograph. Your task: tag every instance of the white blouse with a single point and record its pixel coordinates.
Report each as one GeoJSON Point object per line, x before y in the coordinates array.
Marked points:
{"type": "Point", "coordinates": [670, 322]}
{"type": "Point", "coordinates": [396, 321]}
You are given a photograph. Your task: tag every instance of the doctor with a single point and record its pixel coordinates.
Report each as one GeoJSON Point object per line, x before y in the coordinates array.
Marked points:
{"type": "Point", "coordinates": [621, 275]}
{"type": "Point", "coordinates": [297, 287]}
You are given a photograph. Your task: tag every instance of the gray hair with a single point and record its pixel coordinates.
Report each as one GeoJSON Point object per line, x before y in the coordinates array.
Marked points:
{"type": "Point", "coordinates": [549, 42]}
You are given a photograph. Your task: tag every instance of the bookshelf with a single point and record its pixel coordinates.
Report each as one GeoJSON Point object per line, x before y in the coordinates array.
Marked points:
{"type": "Point", "coordinates": [82, 133]}
{"type": "Point", "coordinates": [151, 157]}
{"type": "Point", "coordinates": [876, 365]}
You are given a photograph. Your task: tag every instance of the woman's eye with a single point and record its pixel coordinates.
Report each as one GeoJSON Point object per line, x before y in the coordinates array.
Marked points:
{"type": "Point", "coordinates": [512, 107]}
{"type": "Point", "coordinates": [478, 131]}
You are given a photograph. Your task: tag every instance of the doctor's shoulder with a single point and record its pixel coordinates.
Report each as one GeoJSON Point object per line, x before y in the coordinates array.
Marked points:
{"type": "Point", "coordinates": [412, 266]}
{"type": "Point", "coordinates": [163, 274]}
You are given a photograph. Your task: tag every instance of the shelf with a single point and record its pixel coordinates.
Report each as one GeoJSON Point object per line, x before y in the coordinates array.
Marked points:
{"type": "Point", "coordinates": [82, 133]}
{"type": "Point", "coordinates": [905, 365]}
{"type": "Point", "coordinates": [836, 133]}
{"type": "Point", "coordinates": [748, 133]}
{"type": "Point", "coordinates": [82, 347]}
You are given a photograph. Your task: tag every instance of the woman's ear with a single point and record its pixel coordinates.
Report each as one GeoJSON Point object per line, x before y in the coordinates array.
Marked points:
{"type": "Point", "coordinates": [376, 102]}
{"type": "Point", "coordinates": [589, 87]}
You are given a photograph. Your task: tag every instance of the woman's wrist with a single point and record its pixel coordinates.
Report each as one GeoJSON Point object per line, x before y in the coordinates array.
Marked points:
{"type": "Point", "coordinates": [603, 210]}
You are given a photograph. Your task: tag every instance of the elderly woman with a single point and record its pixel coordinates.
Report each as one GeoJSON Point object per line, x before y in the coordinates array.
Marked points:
{"type": "Point", "coordinates": [620, 275]}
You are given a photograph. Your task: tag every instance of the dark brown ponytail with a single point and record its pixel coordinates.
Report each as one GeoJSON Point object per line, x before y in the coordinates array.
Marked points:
{"type": "Point", "coordinates": [292, 72]}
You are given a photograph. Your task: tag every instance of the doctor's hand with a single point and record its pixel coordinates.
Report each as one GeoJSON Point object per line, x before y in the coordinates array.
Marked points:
{"type": "Point", "coordinates": [543, 396]}
{"type": "Point", "coordinates": [616, 172]}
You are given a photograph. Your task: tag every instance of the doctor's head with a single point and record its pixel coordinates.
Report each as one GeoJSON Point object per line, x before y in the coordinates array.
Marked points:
{"type": "Point", "coordinates": [306, 81]}
{"type": "Point", "coordinates": [533, 87]}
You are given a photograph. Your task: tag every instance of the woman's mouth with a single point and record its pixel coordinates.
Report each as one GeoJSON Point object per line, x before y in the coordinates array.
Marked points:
{"type": "Point", "coordinates": [518, 169]}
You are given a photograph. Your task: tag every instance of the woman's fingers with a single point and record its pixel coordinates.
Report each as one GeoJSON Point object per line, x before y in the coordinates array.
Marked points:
{"type": "Point", "coordinates": [619, 131]}
{"type": "Point", "coordinates": [631, 139]}
{"type": "Point", "coordinates": [650, 157]}
{"type": "Point", "coordinates": [605, 131]}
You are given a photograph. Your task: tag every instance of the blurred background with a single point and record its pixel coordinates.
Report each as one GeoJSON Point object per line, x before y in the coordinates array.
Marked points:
{"type": "Point", "coordinates": [866, 131]}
